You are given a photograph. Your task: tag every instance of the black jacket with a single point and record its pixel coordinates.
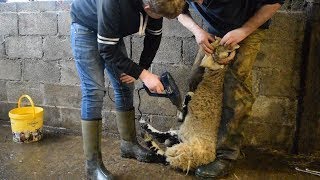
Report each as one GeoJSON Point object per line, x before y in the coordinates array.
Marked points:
{"type": "Point", "coordinates": [113, 20]}
{"type": "Point", "coordinates": [222, 16]}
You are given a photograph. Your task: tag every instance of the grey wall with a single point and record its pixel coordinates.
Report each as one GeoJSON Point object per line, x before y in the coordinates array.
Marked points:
{"type": "Point", "coordinates": [36, 59]}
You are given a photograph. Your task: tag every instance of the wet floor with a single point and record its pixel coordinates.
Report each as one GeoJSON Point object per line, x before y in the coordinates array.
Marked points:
{"type": "Point", "coordinates": [59, 156]}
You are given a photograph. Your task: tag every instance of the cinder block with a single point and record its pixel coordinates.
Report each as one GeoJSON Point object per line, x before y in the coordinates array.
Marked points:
{"type": "Point", "coordinates": [55, 47]}
{"type": "Point", "coordinates": [287, 27]}
{"type": "Point", "coordinates": [64, 22]}
{"type": "Point", "coordinates": [281, 83]}
{"type": "Point", "coordinates": [137, 46]}
{"type": "Point", "coordinates": [164, 123]}
{"type": "Point", "coordinates": [155, 105]}
{"type": "Point", "coordinates": [36, 6]}
{"type": "Point", "coordinates": [24, 47]}
{"type": "Point", "coordinates": [180, 74]}
{"type": "Point", "coordinates": [2, 49]}
{"type": "Point", "coordinates": [273, 110]}
{"type": "Point", "coordinates": [38, 23]}
{"type": "Point", "coordinates": [269, 136]}
{"type": "Point", "coordinates": [51, 116]}
{"type": "Point", "coordinates": [62, 96]}
{"type": "Point", "coordinates": [69, 74]}
{"type": "Point", "coordinates": [41, 71]}
{"type": "Point", "coordinates": [10, 69]}
{"type": "Point", "coordinates": [189, 50]}
{"type": "Point", "coordinates": [8, 24]}
{"type": "Point", "coordinates": [127, 42]}
{"type": "Point", "coordinates": [3, 90]}
{"type": "Point", "coordinates": [8, 7]}
{"type": "Point", "coordinates": [4, 110]}
{"type": "Point", "coordinates": [109, 122]}
{"type": "Point", "coordinates": [108, 101]}
{"type": "Point", "coordinates": [168, 52]}
{"type": "Point", "coordinates": [70, 119]}
{"type": "Point", "coordinates": [16, 89]}
{"type": "Point", "coordinates": [173, 28]}
{"type": "Point", "coordinates": [279, 55]}
{"type": "Point", "coordinates": [63, 5]}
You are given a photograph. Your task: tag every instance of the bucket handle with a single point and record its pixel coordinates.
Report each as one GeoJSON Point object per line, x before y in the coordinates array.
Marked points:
{"type": "Point", "coordinates": [31, 102]}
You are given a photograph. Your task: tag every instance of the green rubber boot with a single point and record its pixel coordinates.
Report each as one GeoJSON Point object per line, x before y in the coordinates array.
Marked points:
{"type": "Point", "coordinates": [129, 147]}
{"type": "Point", "coordinates": [91, 133]}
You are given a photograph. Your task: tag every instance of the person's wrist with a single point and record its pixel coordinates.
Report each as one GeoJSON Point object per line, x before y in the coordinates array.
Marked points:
{"type": "Point", "coordinates": [143, 75]}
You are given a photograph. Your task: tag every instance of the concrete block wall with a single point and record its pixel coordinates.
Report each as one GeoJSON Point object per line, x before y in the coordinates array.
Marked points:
{"type": "Point", "coordinates": [36, 59]}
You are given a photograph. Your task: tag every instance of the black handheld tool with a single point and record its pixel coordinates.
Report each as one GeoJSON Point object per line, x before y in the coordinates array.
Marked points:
{"type": "Point", "coordinates": [171, 90]}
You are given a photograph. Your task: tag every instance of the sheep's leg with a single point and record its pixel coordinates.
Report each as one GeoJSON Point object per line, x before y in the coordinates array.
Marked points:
{"type": "Point", "coordinates": [153, 146]}
{"type": "Point", "coordinates": [186, 101]}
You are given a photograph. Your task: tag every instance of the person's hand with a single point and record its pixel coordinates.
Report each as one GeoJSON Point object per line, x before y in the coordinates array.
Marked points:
{"type": "Point", "coordinates": [204, 39]}
{"type": "Point", "coordinates": [226, 60]}
{"type": "Point", "coordinates": [152, 81]}
{"type": "Point", "coordinates": [126, 78]}
{"type": "Point", "coordinates": [234, 37]}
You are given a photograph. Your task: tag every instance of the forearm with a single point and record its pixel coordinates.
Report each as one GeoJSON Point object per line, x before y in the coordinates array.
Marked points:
{"type": "Point", "coordinates": [151, 46]}
{"type": "Point", "coordinates": [260, 17]}
{"type": "Point", "coordinates": [187, 21]}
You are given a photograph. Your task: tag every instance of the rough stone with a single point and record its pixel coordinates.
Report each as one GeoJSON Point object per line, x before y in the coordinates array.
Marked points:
{"type": "Point", "coordinates": [8, 7]}
{"type": "Point", "coordinates": [3, 91]}
{"type": "Point", "coordinates": [109, 122]}
{"type": "Point", "coordinates": [57, 48]}
{"type": "Point", "coordinates": [287, 27]}
{"type": "Point", "coordinates": [155, 105]}
{"type": "Point", "coordinates": [180, 74]}
{"type": "Point", "coordinates": [4, 110]}
{"type": "Point", "coordinates": [41, 71]}
{"type": "Point", "coordinates": [173, 28]}
{"type": "Point", "coordinates": [168, 52]}
{"type": "Point", "coordinates": [10, 69]}
{"type": "Point", "coordinates": [189, 50]}
{"type": "Point", "coordinates": [16, 89]}
{"type": "Point", "coordinates": [269, 136]}
{"type": "Point", "coordinates": [69, 74]}
{"type": "Point", "coordinates": [24, 47]}
{"type": "Point", "coordinates": [36, 6]}
{"type": "Point", "coordinates": [272, 110]}
{"type": "Point", "coordinates": [273, 82]}
{"type": "Point", "coordinates": [64, 22]}
{"type": "Point", "coordinates": [63, 5]}
{"type": "Point", "coordinates": [164, 123]}
{"type": "Point", "coordinates": [62, 96]}
{"type": "Point", "coordinates": [2, 49]}
{"type": "Point", "coordinates": [275, 55]}
{"type": "Point", "coordinates": [51, 116]}
{"type": "Point", "coordinates": [38, 23]}
{"type": "Point", "coordinates": [71, 119]}
{"type": "Point", "coordinates": [8, 24]}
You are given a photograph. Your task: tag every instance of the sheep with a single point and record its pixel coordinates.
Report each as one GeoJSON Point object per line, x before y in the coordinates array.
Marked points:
{"type": "Point", "coordinates": [194, 143]}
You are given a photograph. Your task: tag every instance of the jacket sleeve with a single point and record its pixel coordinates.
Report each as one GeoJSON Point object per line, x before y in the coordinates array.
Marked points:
{"type": "Point", "coordinates": [109, 38]}
{"type": "Point", "coordinates": [151, 42]}
{"type": "Point", "coordinates": [271, 1]}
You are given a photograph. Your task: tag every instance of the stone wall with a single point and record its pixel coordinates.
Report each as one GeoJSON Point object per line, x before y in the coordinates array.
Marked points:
{"type": "Point", "coordinates": [36, 59]}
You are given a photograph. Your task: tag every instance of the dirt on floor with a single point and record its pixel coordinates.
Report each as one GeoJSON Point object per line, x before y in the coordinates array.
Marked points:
{"type": "Point", "coordinates": [59, 155]}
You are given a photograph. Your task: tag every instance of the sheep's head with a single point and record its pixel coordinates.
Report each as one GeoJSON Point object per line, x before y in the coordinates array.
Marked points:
{"type": "Point", "coordinates": [220, 56]}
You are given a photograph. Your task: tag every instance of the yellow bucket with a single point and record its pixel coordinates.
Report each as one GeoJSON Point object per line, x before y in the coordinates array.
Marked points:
{"type": "Point", "coordinates": [26, 122]}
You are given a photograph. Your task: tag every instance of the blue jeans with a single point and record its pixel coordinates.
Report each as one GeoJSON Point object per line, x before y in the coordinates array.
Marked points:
{"type": "Point", "coordinates": [90, 67]}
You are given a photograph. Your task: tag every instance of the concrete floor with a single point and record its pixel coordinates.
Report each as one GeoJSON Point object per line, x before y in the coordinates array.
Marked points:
{"type": "Point", "coordinates": [59, 156]}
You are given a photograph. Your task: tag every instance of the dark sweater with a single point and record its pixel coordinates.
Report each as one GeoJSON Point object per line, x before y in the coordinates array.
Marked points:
{"type": "Point", "coordinates": [222, 16]}
{"type": "Point", "coordinates": [113, 20]}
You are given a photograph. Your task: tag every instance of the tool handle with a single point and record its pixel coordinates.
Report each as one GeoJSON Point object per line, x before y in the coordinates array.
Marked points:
{"type": "Point", "coordinates": [153, 94]}
{"type": "Point", "coordinates": [30, 100]}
